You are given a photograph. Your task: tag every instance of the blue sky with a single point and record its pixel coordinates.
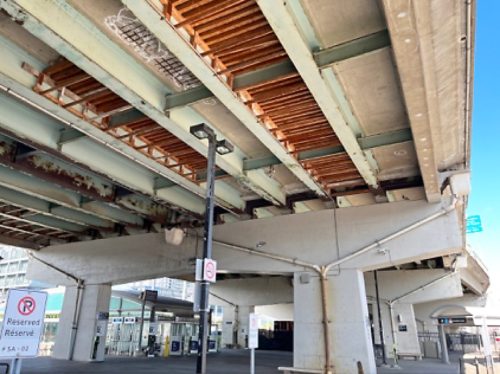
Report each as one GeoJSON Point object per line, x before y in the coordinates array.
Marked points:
{"type": "Point", "coordinates": [485, 164]}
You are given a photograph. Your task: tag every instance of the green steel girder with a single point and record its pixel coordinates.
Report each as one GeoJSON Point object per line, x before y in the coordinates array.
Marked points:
{"type": "Point", "coordinates": [352, 48]}
{"type": "Point", "coordinates": [69, 135]}
{"type": "Point", "coordinates": [49, 209]}
{"type": "Point", "coordinates": [122, 118]}
{"type": "Point", "coordinates": [187, 97]}
{"type": "Point", "coordinates": [44, 223]}
{"type": "Point", "coordinates": [365, 143]}
{"type": "Point", "coordinates": [324, 58]}
{"type": "Point", "coordinates": [50, 224]}
{"type": "Point", "coordinates": [41, 189]}
{"type": "Point", "coordinates": [89, 185]}
{"type": "Point", "coordinates": [270, 72]}
{"type": "Point", "coordinates": [388, 138]}
{"type": "Point", "coordinates": [121, 155]}
{"type": "Point", "coordinates": [160, 183]}
{"type": "Point", "coordinates": [56, 223]}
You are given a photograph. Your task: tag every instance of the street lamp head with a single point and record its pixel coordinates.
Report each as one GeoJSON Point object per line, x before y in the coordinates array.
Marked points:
{"type": "Point", "coordinates": [201, 131]}
{"type": "Point", "coordinates": [223, 147]}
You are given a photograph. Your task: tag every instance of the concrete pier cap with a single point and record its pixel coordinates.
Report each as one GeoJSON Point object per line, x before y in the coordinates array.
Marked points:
{"type": "Point", "coordinates": [333, 247]}
{"type": "Point", "coordinates": [387, 234]}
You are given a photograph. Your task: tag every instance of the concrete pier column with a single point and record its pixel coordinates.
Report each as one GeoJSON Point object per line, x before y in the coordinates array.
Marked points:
{"type": "Point", "coordinates": [243, 315]}
{"type": "Point", "coordinates": [87, 341]}
{"type": "Point", "coordinates": [228, 337]}
{"type": "Point", "coordinates": [349, 326]}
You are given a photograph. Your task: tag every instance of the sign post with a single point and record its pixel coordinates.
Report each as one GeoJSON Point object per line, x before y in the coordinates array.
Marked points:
{"type": "Point", "coordinates": [253, 339]}
{"type": "Point", "coordinates": [22, 326]}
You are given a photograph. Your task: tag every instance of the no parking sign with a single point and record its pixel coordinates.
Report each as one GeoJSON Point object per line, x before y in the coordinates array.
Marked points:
{"type": "Point", "coordinates": [22, 325]}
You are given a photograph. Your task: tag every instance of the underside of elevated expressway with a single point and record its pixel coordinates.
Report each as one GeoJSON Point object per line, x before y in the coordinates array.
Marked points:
{"type": "Point", "coordinates": [350, 121]}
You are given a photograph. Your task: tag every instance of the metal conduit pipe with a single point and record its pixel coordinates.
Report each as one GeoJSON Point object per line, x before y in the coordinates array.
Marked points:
{"type": "Point", "coordinates": [288, 260]}
{"type": "Point", "coordinates": [424, 286]}
{"type": "Point", "coordinates": [396, 234]}
{"type": "Point", "coordinates": [323, 270]}
{"type": "Point", "coordinates": [80, 287]}
{"type": "Point", "coordinates": [394, 338]}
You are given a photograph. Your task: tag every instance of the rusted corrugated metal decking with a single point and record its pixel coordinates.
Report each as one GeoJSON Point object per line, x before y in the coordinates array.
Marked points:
{"type": "Point", "coordinates": [235, 35]}
{"type": "Point", "coordinates": [76, 91]}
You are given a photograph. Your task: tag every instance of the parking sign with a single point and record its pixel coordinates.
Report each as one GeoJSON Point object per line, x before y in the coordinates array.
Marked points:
{"type": "Point", "coordinates": [22, 325]}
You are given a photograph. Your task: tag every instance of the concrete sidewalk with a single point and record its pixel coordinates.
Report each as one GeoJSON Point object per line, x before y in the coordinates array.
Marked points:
{"type": "Point", "coordinates": [226, 362]}
{"type": "Point", "coordinates": [425, 366]}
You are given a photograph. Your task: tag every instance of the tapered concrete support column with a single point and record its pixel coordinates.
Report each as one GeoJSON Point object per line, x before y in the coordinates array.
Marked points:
{"type": "Point", "coordinates": [444, 345]}
{"type": "Point", "coordinates": [228, 338]}
{"type": "Point", "coordinates": [406, 333]}
{"type": "Point", "coordinates": [242, 317]}
{"type": "Point", "coordinates": [87, 341]}
{"type": "Point", "coordinates": [349, 328]}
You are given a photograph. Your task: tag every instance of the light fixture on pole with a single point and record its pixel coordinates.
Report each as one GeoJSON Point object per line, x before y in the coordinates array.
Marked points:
{"type": "Point", "coordinates": [223, 147]}
{"type": "Point", "coordinates": [202, 131]}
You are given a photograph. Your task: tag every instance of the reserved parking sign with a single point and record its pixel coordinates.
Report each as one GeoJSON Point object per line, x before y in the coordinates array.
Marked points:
{"type": "Point", "coordinates": [22, 326]}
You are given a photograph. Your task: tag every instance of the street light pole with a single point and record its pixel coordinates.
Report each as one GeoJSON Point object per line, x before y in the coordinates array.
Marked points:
{"type": "Point", "coordinates": [222, 147]}
{"type": "Point", "coordinates": [201, 362]}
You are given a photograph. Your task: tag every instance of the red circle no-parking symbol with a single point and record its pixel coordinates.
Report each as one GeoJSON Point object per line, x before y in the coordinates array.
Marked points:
{"type": "Point", "coordinates": [26, 305]}
{"type": "Point", "coordinates": [210, 270]}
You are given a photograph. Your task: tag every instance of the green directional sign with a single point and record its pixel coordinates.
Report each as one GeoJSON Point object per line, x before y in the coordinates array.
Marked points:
{"type": "Point", "coordinates": [473, 224]}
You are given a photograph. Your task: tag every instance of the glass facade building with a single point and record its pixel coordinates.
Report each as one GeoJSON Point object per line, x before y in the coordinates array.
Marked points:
{"type": "Point", "coordinates": [12, 269]}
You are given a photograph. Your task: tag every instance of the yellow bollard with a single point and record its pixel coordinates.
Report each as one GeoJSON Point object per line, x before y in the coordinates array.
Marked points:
{"type": "Point", "coordinates": [166, 351]}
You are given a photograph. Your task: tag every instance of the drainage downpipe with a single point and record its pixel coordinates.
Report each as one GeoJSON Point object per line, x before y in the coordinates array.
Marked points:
{"type": "Point", "coordinates": [394, 338]}
{"type": "Point", "coordinates": [76, 317]}
{"type": "Point", "coordinates": [80, 286]}
{"type": "Point", "coordinates": [323, 273]}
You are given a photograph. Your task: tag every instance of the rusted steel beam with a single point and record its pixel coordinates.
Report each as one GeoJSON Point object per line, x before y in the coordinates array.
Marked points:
{"type": "Point", "coordinates": [6, 239]}
{"type": "Point", "coordinates": [53, 170]}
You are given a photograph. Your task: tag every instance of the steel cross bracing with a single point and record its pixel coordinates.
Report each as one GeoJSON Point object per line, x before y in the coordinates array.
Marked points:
{"type": "Point", "coordinates": [237, 40]}
{"type": "Point", "coordinates": [116, 69]}
{"type": "Point", "coordinates": [190, 57]}
{"type": "Point", "coordinates": [68, 140]}
{"type": "Point", "coordinates": [333, 107]}
{"type": "Point", "coordinates": [41, 132]}
{"type": "Point", "coordinates": [73, 89]}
